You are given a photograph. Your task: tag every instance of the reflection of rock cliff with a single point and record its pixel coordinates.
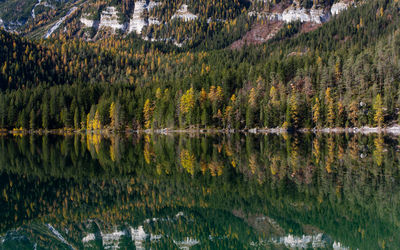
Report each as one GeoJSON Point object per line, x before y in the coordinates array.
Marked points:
{"type": "Point", "coordinates": [181, 231]}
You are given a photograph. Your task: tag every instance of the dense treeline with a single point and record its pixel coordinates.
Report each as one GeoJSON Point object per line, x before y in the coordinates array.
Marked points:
{"type": "Point", "coordinates": [345, 73]}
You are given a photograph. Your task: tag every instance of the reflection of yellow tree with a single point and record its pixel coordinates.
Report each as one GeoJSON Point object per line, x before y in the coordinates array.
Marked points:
{"type": "Point", "coordinates": [331, 154]}
{"type": "Point", "coordinates": [274, 165]}
{"type": "Point", "coordinates": [114, 149]}
{"type": "Point", "coordinates": [148, 152]}
{"type": "Point", "coordinates": [253, 163]}
{"type": "Point", "coordinates": [316, 150]}
{"type": "Point", "coordinates": [353, 148]}
{"type": "Point", "coordinates": [294, 156]}
{"type": "Point", "coordinates": [187, 161]}
{"type": "Point", "coordinates": [204, 167]}
{"type": "Point", "coordinates": [216, 168]}
{"type": "Point", "coordinates": [378, 152]}
{"type": "Point", "coordinates": [340, 152]}
{"type": "Point", "coordinates": [93, 140]}
{"type": "Point", "coordinates": [228, 150]}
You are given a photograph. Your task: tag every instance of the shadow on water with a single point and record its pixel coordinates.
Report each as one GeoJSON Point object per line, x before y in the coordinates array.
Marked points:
{"type": "Point", "coordinates": [209, 191]}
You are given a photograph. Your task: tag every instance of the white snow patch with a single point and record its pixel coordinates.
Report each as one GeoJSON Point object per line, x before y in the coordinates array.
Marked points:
{"type": "Point", "coordinates": [55, 27]}
{"type": "Point", "coordinates": [183, 13]}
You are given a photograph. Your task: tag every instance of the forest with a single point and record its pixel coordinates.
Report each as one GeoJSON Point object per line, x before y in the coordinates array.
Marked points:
{"type": "Point", "coordinates": [343, 74]}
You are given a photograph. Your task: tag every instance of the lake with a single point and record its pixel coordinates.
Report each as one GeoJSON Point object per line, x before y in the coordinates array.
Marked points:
{"type": "Point", "coordinates": [219, 191]}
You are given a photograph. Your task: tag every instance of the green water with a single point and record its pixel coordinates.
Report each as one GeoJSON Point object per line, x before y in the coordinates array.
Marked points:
{"type": "Point", "coordinates": [204, 192]}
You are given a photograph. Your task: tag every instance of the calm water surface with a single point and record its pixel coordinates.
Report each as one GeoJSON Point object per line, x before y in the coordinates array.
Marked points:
{"type": "Point", "coordinates": [200, 192]}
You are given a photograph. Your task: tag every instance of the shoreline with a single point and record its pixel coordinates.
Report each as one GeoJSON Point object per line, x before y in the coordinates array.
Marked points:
{"type": "Point", "coordinates": [395, 130]}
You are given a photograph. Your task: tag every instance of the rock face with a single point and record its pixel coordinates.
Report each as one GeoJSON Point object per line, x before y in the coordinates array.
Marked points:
{"type": "Point", "coordinates": [338, 7]}
{"type": "Point", "coordinates": [292, 14]}
{"type": "Point", "coordinates": [184, 13]}
{"type": "Point", "coordinates": [137, 21]}
{"type": "Point", "coordinates": [89, 23]}
{"type": "Point", "coordinates": [109, 19]}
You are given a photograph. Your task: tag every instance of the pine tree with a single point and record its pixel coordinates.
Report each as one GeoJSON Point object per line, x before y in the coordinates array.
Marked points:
{"type": "Point", "coordinates": [32, 120]}
{"type": "Point", "coordinates": [148, 114]}
{"type": "Point", "coordinates": [316, 112]}
{"type": "Point", "coordinates": [45, 116]}
{"type": "Point", "coordinates": [378, 109]}
{"type": "Point", "coordinates": [76, 119]}
{"type": "Point", "coordinates": [294, 111]}
{"type": "Point", "coordinates": [330, 114]}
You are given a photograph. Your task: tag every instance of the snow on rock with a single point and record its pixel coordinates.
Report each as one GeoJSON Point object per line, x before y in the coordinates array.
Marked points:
{"type": "Point", "coordinates": [109, 19]}
{"type": "Point", "coordinates": [292, 14]}
{"type": "Point", "coordinates": [137, 21]}
{"type": "Point", "coordinates": [338, 7]}
{"type": "Point", "coordinates": [55, 27]}
{"type": "Point", "coordinates": [183, 13]}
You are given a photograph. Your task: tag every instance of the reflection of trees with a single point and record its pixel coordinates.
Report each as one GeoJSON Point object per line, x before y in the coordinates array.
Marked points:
{"type": "Point", "coordinates": [66, 181]}
{"type": "Point", "coordinates": [378, 151]}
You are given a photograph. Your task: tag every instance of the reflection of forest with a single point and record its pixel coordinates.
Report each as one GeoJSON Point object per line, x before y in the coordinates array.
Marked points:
{"type": "Point", "coordinates": [234, 189]}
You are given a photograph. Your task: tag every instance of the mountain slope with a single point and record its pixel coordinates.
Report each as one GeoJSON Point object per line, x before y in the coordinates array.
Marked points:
{"type": "Point", "coordinates": [183, 23]}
